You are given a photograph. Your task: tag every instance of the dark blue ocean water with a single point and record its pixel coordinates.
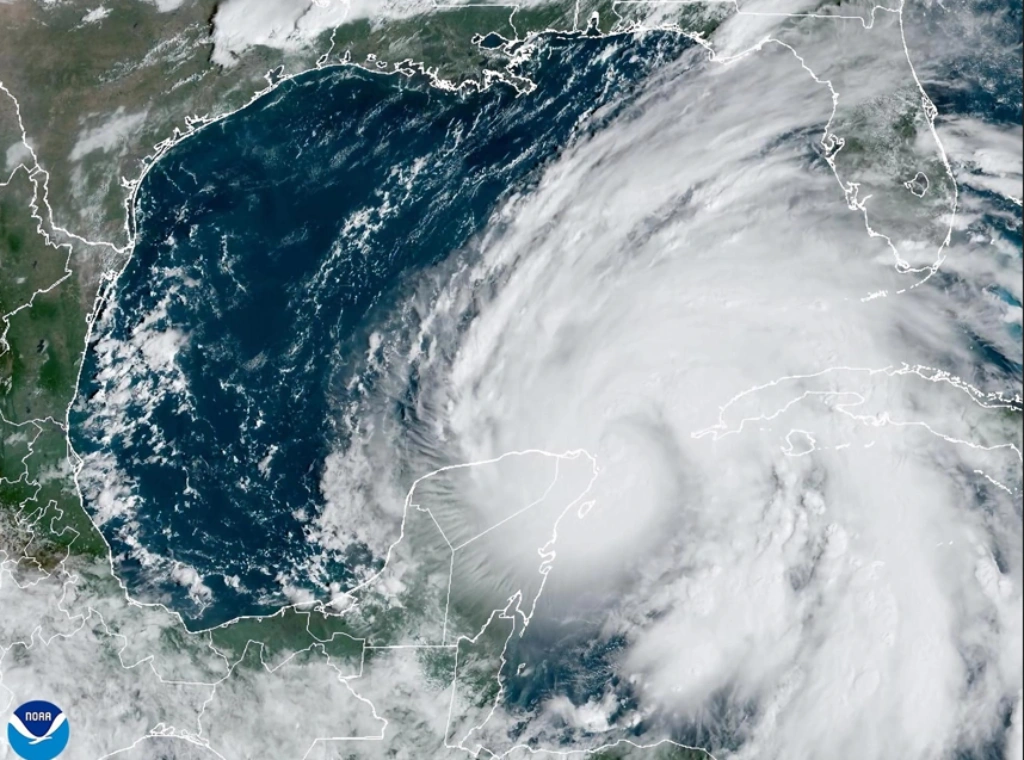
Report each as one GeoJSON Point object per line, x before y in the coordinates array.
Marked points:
{"type": "Point", "coordinates": [986, 82]}
{"type": "Point", "coordinates": [264, 240]}
{"type": "Point", "coordinates": [986, 85]}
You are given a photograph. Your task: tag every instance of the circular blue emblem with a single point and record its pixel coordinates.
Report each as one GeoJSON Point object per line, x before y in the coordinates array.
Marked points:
{"type": "Point", "coordinates": [38, 730]}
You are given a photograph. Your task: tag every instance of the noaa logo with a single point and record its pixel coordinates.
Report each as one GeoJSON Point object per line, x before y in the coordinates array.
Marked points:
{"type": "Point", "coordinates": [38, 731]}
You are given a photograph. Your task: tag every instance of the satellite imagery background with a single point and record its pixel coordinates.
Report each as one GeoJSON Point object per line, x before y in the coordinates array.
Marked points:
{"type": "Point", "coordinates": [612, 379]}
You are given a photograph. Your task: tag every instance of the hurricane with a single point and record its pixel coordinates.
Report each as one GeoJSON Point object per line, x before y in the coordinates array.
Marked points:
{"type": "Point", "coordinates": [705, 365]}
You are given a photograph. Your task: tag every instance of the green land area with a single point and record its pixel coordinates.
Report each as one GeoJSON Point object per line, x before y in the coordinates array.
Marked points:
{"type": "Point", "coordinates": [288, 631]}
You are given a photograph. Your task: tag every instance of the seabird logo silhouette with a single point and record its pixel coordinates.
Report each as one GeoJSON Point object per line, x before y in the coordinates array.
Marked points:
{"type": "Point", "coordinates": [38, 730]}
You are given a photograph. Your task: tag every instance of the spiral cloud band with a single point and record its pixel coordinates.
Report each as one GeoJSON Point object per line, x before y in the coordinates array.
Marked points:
{"type": "Point", "coordinates": [797, 520]}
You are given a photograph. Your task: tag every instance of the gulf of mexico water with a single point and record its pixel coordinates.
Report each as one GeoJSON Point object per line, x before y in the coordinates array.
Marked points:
{"type": "Point", "coordinates": [208, 393]}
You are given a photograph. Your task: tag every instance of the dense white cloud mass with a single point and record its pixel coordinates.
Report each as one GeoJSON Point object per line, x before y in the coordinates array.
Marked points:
{"type": "Point", "coordinates": [290, 24]}
{"type": "Point", "coordinates": [835, 555]}
{"type": "Point", "coordinates": [240, 24]}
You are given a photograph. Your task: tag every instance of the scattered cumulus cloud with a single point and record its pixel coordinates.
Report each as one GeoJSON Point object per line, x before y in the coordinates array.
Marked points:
{"type": "Point", "coordinates": [109, 135]}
